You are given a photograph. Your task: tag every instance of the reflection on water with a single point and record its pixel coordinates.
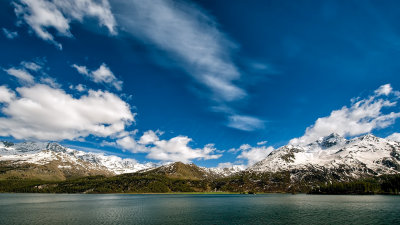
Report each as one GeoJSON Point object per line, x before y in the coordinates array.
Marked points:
{"type": "Point", "coordinates": [197, 209]}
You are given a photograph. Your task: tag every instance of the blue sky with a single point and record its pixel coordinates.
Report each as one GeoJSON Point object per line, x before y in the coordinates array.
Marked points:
{"type": "Point", "coordinates": [197, 81]}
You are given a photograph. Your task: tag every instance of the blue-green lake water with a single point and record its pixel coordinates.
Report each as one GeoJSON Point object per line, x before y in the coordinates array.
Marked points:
{"type": "Point", "coordinates": [198, 209]}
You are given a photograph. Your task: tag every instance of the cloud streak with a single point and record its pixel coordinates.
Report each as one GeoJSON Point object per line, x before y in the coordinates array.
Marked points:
{"type": "Point", "coordinates": [191, 37]}
{"type": "Point", "coordinates": [188, 34]}
{"type": "Point", "coordinates": [185, 32]}
{"type": "Point", "coordinates": [9, 34]}
{"type": "Point", "coordinates": [102, 75]}
{"type": "Point", "coordinates": [43, 15]}
{"type": "Point", "coordinates": [21, 74]}
{"type": "Point", "coordinates": [245, 123]}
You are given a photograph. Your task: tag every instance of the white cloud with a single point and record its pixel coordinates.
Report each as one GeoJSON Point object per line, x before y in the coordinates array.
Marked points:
{"type": "Point", "coordinates": [50, 81]}
{"type": "Point", "coordinates": [42, 15]}
{"type": "Point", "coordinates": [262, 142]}
{"type": "Point", "coordinates": [79, 9]}
{"type": "Point", "coordinates": [254, 154]}
{"type": "Point", "coordinates": [130, 144]}
{"type": "Point", "coordinates": [231, 165]}
{"type": "Point", "coordinates": [394, 137]}
{"type": "Point", "coordinates": [174, 149]}
{"type": "Point", "coordinates": [384, 90]}
{"type": "Point", "coordinates": [42, 112]}
{"type": "Point", "coordinates": [361, 117]}
{"type": "Point", "coordinates": [6, 95]}
{"type": "Point", "coordinates": [45, 113]}
{"type": "Point", "coordinates": [79, 87]}
{"type": "Point", "coordinates": [22, 75]}
{"type": "Point", "coordinates": [10, 34]}
{"type": "Point", "coordinates": [102, 75]}
{"type": "Point", "coordinates": [149, 137]}
{"type": "Point", "coordinates": [245, 123]}
{"type": "Point", "coordinates": [190, 36]}
{"type": "Point", "coordinates": [31, 66]}
{"type": "Point", "coordinates": [81, 69]}
{"type": "Point", "coordinates": [178, 149]}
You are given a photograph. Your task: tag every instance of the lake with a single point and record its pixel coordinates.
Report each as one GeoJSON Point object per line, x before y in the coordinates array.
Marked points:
{"type": "Point", "coordinates": [198, 209]}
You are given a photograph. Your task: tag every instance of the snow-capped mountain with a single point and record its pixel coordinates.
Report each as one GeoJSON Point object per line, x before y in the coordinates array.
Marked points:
{"type": "Point", "coordinates": [330, 158]}
{"type": "Point", "coordinates": [52, 158]}
{"type": "Point", "coordinates": [226, 171]}
{"type": "Point", "coordinates": [31, 153]}
{"type": "Point", "coordinates": [192, 171]}
{"type": "Point", "coordinates": [334, 157]}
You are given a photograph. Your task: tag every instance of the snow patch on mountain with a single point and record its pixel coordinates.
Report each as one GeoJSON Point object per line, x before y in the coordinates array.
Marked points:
{"type": "Point", "coordinates": [44, 153]}
{"type": "Point", "coordinates": [356, 157]}
{"type": "Point", "coordinates": [226, 171]}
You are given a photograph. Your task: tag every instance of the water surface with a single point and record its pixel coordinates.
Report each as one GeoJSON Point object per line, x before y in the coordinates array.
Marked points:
{"type": "Point", "coordinates": [198, 209]}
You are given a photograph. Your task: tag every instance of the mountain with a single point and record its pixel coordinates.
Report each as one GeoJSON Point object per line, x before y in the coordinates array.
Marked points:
{"type": "Point", "coordinates": [332, 159]}
{"type": "Point", "coordinates": [191, 171]}
{"type": "Point", "coordinates": [181, 170]}
{"type": "Point", "coordinates": [51, 161]}
{"type": "Point", "coordinates": [331, 164]}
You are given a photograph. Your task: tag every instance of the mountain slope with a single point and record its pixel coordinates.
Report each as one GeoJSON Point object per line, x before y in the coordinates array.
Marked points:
{"type": "Point", "coordinates": [333, 158]}
{"type": "Point", "coordinates": [329, 160]}
{"type": "Point", "coordinates": [191, 171]}
{"type": "Point", "coordinates": [51, 161]}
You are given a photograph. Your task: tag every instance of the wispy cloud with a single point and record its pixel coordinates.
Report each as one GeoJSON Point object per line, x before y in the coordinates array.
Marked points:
{"type": "Point", "coordinates": [361, 117]}
{"type": "Point", "coordinates": [262, 142]}
{"type": "Point", "coordinates": [184, 31]}
{"type": "Point", "coordinates": [188, 34]}
{"type": "Point", "coordinates": [31, 65]}
{"type": "Point", "coordinates": [22, 75]}
{"type": "Point", "coordinates": [101, 75]}
{"type": "Point", "coordinates": [192, 38]}
{"type": "Point", "coordinates": [9, 34]}
{"type": "Point", "coordinates": [42, 15]}
{"type": "Point", "coordinates": [245, 123]}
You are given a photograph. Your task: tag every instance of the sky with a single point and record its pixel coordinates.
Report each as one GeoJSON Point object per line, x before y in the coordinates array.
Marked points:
{"type": "Point", "coordinates": [216, 83]}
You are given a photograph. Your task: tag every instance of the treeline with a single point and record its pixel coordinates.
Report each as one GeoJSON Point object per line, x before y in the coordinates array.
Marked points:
{"type": "Point", "coordinates": [150, 182]}
{"type": "Point", "coordinates": [129, 183]}
{"type": "Point", "coordinates": [384, 184]}
{"type": "Point", "coordinates": [158, 183]}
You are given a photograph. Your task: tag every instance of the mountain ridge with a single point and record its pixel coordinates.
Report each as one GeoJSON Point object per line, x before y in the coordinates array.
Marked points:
{"type": "Point", "coordinates": [289, 168]}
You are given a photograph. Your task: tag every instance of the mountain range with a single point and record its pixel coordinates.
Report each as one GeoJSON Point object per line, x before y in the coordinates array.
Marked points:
{"type": "Point", "coordinates": [297, 168]}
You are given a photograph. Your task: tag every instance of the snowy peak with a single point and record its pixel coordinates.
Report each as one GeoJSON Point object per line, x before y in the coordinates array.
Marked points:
{"type": "Point", "coordinates": [191, 171]}
{"type": "Point", "coordinates": [360, 156]}
{"type": "Point", "coordinates": [66, 158]}
{"type": "Point", "coordinates": [331, 140]}
{"type": "Point", "coordinates": [370, 138]}
{"type": "Point", "coordinates": [226, 171]}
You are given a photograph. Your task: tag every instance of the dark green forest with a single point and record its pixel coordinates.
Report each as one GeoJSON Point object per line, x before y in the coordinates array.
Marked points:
{"type": "Point", "coordinates": [161, 183]}
{"type": "Point", "coordinates": [384, 184]}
